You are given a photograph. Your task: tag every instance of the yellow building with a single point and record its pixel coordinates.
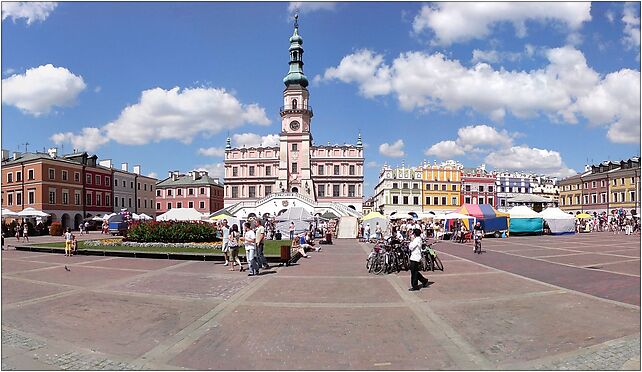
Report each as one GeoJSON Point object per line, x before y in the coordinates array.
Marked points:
{"type": "Point", "coordinates": [441, 186]}
{"type": "Point", "coordinates": [624, 186]}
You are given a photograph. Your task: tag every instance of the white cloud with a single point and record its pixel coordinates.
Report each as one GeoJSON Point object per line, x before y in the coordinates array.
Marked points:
{"type": "Point", "coordinates": [255, 140]}
{"type": "Point", "coordinates": [372, 164]}
{"type": "Point", "coordinates": [482, 135]}
{"type": "Point", "coordinates": [445, 150]}
{"type": "Point", "coordinates": [610, 16]}
{"type": "Point", "coordinates": [395, 150]}
{"type": "Point", "coordinates": [631, 22]}
{"type": "Point", "coordinates": [458, 22]}
{"type": "Point", "coordinates": [181, 115]}
{"type": "Point", "coordinates": [494, 56]}
{"type": "Point", "coordinates": [97, 89]}
{"type": "Point", "coordinates": [431, 81]}
{"type": "Point", "coordinates": [41, 88]}
{"type": "Point", "coordinates": [525, 158]}
{"type": "Point", "coordinates": [89, 139]}
{"type": "Point", "coordinates": [31, 11]}
{"type": "Point", "coordinates": [152, 175]}
{"type": "Point", "coordinates": [310, 6]}
{"type": "Point", "coordinates": [212, 151]}
{"type": "Point", "coordinates": [214, 170]}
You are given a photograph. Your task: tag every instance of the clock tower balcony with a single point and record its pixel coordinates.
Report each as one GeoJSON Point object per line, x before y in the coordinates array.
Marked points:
{"type": "Point", "coordinates": [285, 110]}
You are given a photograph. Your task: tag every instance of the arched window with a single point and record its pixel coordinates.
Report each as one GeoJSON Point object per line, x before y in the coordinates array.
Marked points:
{"type": "Point", "coordinates": [294, 103]}
{"type": "Point", "coordinates": [295, 56]}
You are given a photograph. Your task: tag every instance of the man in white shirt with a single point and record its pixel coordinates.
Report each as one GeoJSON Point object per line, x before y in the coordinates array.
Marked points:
{"type": "Point", "coordinates": [415, 257]}
{"type": "Point", "coordinates": [226, 236]}
{"type": "Point", "coordinates": [249, 240]}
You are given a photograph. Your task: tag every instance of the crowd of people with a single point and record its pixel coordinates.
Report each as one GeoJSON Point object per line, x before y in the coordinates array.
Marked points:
{"type": "Point", "coordinates": [616, 223]}
{"type": "Point", "coordinates": [428, 229]}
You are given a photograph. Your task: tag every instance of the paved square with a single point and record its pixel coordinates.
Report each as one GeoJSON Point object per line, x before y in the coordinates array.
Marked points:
{"type": "Point", "coordinates": [525, 303]}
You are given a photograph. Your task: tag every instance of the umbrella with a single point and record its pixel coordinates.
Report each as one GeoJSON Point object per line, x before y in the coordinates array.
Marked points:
{"type": "Point", "coordinates": [584, 215]}
{"type": "Point", "coordinates": [143, 216]}
{"type": "Point", "coordinates": [7, 213]}
{"type": "Point", "coordinates": [402, 216]}
{"type": "Point", "coordinates": [32, 212]}
{"type": "Point", "coordinates": [372, 215]}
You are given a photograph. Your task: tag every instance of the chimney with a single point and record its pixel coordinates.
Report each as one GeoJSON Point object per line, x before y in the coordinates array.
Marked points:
{"type": "Point", "coordinates": [106, 163]}
{"type": "Point", "coordinates": [16, 155]}
{"type": "Point", "coordinates": [587, 168]}
{"type": "Point", "coordinates": [175, 175]}
{"type": "Point", "coordinates": [137, 169]}
{"type": "Point", "coordinates": [53, 152]}
{"type": "Point", "coordinates": [124, 167]}
{"type": "Point", "coordinates": [5, 155]}
{"type": "Point", "coordinates": [170, 174]}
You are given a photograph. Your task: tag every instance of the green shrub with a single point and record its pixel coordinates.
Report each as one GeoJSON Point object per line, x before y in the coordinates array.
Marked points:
{"type": "Point", "coordinates": [171, 232]}
{"type": "Point", "coordinates": [55, 229]}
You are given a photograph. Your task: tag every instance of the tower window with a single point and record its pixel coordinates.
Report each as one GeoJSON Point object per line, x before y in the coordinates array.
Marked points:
{"type": "Point", "coordinates": [294, 103]}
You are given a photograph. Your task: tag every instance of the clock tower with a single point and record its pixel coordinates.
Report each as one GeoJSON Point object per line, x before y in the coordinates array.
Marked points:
{"type": "Point", "coordinates": [294, 174]}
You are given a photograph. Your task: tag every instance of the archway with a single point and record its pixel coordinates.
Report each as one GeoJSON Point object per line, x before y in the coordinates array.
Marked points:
{"type": "Point", "coordinates": [251, 215]}
{"type": "Point", "coordinates": [281, 212]}
{"type": "Point", "coordinates": [295, 189]}
{"type": "Point", "coordinates": [77, 221]}
{"type": "Point", "coordinates": [352, 207]}
{"type": "Point", "coordinates": [65, 221]}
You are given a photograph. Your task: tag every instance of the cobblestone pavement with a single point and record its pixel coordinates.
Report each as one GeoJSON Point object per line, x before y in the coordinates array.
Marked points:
{"type": "Point", "coordinates": [327, 312]}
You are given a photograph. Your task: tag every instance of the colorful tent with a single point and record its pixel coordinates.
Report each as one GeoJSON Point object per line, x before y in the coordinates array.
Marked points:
{"type": "Point", "coordinates": [491, 219]}
{"type": "Point", "coordinates": [525, 220]}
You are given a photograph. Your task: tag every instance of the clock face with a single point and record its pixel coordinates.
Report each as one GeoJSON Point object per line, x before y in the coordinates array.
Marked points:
{"type": "Point", "coordinates": [295, 125]}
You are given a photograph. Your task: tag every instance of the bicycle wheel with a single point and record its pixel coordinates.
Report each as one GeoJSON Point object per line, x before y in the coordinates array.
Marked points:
{"type": "Point", "coordinates": [423, 264]}
{"type": "Point", "coordinates": [437, 263]}
{"type": "Point", "coordinates": [431, 263]}
{"type": "Point", "coordinates": [380, 266]}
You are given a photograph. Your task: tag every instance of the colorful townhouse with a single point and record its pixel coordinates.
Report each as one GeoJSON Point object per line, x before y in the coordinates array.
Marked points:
{"type": "Point", "coordinates": [398, 190]}
{"type": "Point", "coordinates": [442, 186]}
{"type": "Point", "coordinates": [478, 186]}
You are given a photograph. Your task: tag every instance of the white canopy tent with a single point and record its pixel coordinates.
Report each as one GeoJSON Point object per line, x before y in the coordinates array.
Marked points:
{"type": "Point", "coordinates": [180, 214]}
{"type": "Point", "coordinates": [559, 222]}
{"type": "Point", "coordinates": [7, 213]}
{"type": "Point", "coordinates": [301, 218]}
{"type": "Point", "coordinates": [32, 212]}
{"type": "Point", "coordinates": [143, 216]}
{"type": "Point", "coordinates": [522, 211]}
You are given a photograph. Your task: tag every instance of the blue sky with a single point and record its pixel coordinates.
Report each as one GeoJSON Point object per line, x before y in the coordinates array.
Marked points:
{"type": "Point", "coordinates": [541, 87]}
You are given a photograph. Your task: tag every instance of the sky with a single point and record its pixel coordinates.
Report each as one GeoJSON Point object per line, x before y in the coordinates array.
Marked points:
{"type": "Point", "coordinates": [538, 87]}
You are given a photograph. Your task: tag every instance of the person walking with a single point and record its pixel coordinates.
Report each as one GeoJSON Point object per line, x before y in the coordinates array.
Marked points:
{"type": "Point", "coordinates": [87, 227]}
{"type": "Point", "coordinates": [233, 245]}
{"type": "Point", "coordinates": [68, 239]}
{"type": "Point", "coordinates": [17, 230]}
{"type": "Point", "coordinates": [226, 248]}
{"type": "Point", "coordinates": [415, 258]}
{"type": "Point", "coordinates": [260, 243]}
{"type": "Point", "coordinates": [292, 230]}
{"type": "Point", "coordinates": [25, 232]}
{"type": "Point", "coordinates": [378, 231]}
{"type": "Point", "coordinates": [249, 240]}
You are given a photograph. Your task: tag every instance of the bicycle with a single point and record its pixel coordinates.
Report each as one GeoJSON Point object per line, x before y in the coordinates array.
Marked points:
{"type": "Point", "coordinates": [478, 246]}
{"type": "Point", "coordinates": [430, 260]}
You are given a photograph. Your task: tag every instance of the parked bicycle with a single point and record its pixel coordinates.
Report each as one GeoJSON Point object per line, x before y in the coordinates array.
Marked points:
{"type": "Point", "coordinates": [430, 260]}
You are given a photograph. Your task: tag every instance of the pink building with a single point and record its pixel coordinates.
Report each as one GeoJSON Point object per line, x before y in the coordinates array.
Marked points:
{"type": "Point", "coordinates": [196, 189]}
{"type": "Point", "coordinates": [296, 167]}
{"type": "Point", "coordinates": [478, 187]}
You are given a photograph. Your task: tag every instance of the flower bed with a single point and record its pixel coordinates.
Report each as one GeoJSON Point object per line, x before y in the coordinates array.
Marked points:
{"type": "Point", "coordinates": [172, 232]}
{"type": "Point", "coordinates": [118, 242]}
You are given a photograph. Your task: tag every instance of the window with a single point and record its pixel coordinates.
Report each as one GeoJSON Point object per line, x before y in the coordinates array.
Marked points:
{"type": "Point", "coordinates": [490, 201]}
{"type": "Point", "coordinates": [428, 186]}
{"type": "Point", "coordinates": [52, 174]}
{"type": "Point", "coordinates": [145, 201]}
{"type": "Point", "coordinates": [415, 186]}
{"type": "Point", "coordinates": [190, 191]}
{"type": "Point", "coordinates": [77, 199]}
{"type": "Point", "coordinates": [138, 185]}
{"type": "Point", "coordinates": [88, 199]}
{"type": "Point", "coordinates": [9, 198]}
{"type": "Point", "coordinates": [335, 190]}
{"type": "Point", "coordinates": [395, 185]}
{"type": "Point", "coordinates": [179, 192]}
{"type": "Point", "coordinates": [107, 181]}
{"type": "Point", "coordinates": [593, 184]}
{"type": "Point", "coordinates": [415, 200]}
{"type": "Point", "coordinates": [18, 176]}
{"type": "Point", "coordinates": [336, 170]}
{"type": "Point", "coordinates": [157, 206]}
{"type": "Point", "coordinates": [190, 204]}
{"type": "Point", "coordinates": [594, 198]}
{"type": "Point", "coordinates": [122, 202]}
{"type": "Point", "coordinates": [351, 190]}
{"type": "Point", "coordinates": [481, 200]}
{"type": "Point", "coordinates": [294, 168]}
{"type": "Point", "coordinates": [251, 170]}
{"type": "Point", "coordinates": [351, 170]}
{"type": "Point", "coordinates": [18, 198]}
{"type": "Point", "coordinates": [294, 147]}
{"type": "Point", "coordinates": [52, 197]}
{"type": "Point", "coordinates": [443, 200]}
{"type": "Point", "coordinates": [169, 192]}
{"type": "Point", "coordinates": [427, 200]}
{"type": "Point", "coordinates": [467, 187]}
{"type": "Point", "coordinates": [202, 191]}
{"type": "Point", "coordinates": [131, 185]}
{"type": "Point", "coordinates": [586, 199]}
{"type": "Point", "coordinates": [235, 171]}
{"type": "Point", "coordinates": [10, 177]}
{"type": "Point", "coordinates": [405, 200]}
{"type": "Point", "coordinates": [621, 181]}
{"type": "Point", "coordinates": [490, 189]}
{"type": "Point", "coordinates": [614, 182]}
{"type": "Point", "coordinates": [453, 187]}
{"type": "Point", "coordinates": [158, 193]}
{"type": "Point", "coordinates": [321, 191]}
{"type": "Point", "coordinates": [87, 179]}
{"type": "Point", "coordinates": [467, 200]}
{"type": "Point", "coordinates": [145, 187]}
{"type": "Point", "coordinates": [405, 185]}
{"type": "Point", "coordinates": [632, 180]}
{"type": "Point", "coordinates": [169, 205]}
{"type": "Point", "coordinates": [577, 200]}
{"type": "Point", "coordinates": [395, 199]}
{"type": "Point", "coordinates": [31, 196]}
{"type": "Point", "coordinates": [603, 198]}
{"type": "Point", "coordinates": [201, 205]}
{"type": "Point", "coordinates": [268, 171]}
{"type": "Point", "coordinates": [115, 201]}
{"type": "Point", "coordinates": [98, 199]}
{"type": "Point", "coordinates": [235, 191]}
{"type": "Point", "coordinates": [179, 205]}
{"type": "Point", "coordinates": [632, 196]}
{"type": "Point", "coordinates": [443, 188]}
{"type": "Point", "coordinates": [268, 190]}
{"type": "Point", "coordinates": [454, 200]}
{"type": "Point", "coordinates": [115, 182]}
{"type": "Point", "coordinates": [320, 169]}
{"type": "Point", "coordinates": [435, 200]}
{"type": "Point", "coordinates": [77, 176]}
{"type": "Point", "coordinates": [481, 189]}
{"type": "Point", "coordinates": [251, 191]}
{"type": "Point", "coordinates": [622, 197]}
{"type": "Point", "coordinates": [98, 180]}
{"type": "Point", "coordinates": [138, 203]}
{"type": "Point", "coordinates": [30, 175]}
{"type": "Point", "coordinates": [65, 197]}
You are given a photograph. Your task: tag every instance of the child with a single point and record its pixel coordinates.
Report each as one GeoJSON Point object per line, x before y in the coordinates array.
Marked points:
{"type": "Point", "coordinates": [68, 237]}
{"type": "Point", "coordinates": [74, 244]}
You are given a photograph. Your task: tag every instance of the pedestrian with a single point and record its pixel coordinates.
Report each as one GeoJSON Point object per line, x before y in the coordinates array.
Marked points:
{"type": "Point", "coordinates": [378, 231]}
{"type": "Point", "coordinates": [415, 257]}
{"type": "Point", "coordinates": [292, 230]}
{"type": "Point", "coordinates": [74, 244]}
{"type": "Point", "coordinates": [260, 243]}
{"type": "Point", "coordinates": [81, 227]}
{"type": "Point", "coordinates": [226, 248]}
{"type": "Point", "coordinates": [68, 238]}
{"type": "Point", "coordinates": [17, 230]}
{"type": "Point", "coordinates": [87, 227]}
{"type": "Point", "coordinates": [367, 232]}
{"type": "Point", "coordinates": [233, 245]}
{"type": "Point", "coordinates": [25, 232]}
{"type": "Point", "coordinates": [249, 240]}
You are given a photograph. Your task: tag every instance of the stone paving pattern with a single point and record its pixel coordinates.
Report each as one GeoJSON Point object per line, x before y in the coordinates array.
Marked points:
{"type": "Point", "coordinates": [526, 303]}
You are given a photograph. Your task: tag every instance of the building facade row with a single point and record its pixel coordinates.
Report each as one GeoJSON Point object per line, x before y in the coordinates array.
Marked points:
{"type": "Point", "coordinates": [196, 189]}
{"type": "Point", "coordinates": [72, 187]}
{"type": "Point", "coordinates": [604, 187]}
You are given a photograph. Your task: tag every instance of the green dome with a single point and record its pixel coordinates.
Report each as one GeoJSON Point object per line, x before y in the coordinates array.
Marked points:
{"type": "Point", "coordinates": [295, 78]}
{"type": "Point", "coordinates": [295, 38]}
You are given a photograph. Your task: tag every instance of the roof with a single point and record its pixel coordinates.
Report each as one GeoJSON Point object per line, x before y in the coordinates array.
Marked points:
{"type": "Point", "coordinates": [528, 198]}
{"type": "Point", "coordinates": [34, 156]}
{"type": "Point", "coordinates": [186, 180]}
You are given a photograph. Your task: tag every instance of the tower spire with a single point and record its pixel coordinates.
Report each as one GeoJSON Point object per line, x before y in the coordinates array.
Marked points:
{"type": "Point", "coordinates": [359, 143]}
{"type": "Point", "coordinates": [295, 75]}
